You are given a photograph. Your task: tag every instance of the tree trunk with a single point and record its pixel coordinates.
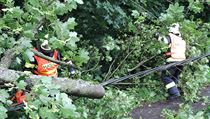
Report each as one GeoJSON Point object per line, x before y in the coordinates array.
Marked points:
{"type": "Point", "coordinates": [69, 86]}
{"type": "Point", "coordinates": [7, 58]}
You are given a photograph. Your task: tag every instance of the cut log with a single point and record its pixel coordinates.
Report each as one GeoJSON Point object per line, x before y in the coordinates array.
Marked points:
{"type": "Point", "coordinates": [69, 86]}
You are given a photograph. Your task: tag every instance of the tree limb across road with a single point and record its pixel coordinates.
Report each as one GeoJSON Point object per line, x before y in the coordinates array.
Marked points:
{"type": "Point", "coordinates": [69, 86]}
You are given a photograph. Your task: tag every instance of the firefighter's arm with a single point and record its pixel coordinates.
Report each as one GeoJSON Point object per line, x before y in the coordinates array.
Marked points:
{"type": "Point", "coordinates": [164, 39]}
{"type": "Point", "coordinates": [71, 68]}
{"type": "Point", "coordinates": [29, 67]}
{"type": "Point", "coordinates": [71, 65]}
{"type": "Point", "coordinates": [30, 64]}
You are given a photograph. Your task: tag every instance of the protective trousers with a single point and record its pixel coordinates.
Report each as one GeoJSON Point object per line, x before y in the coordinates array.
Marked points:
{"type": "Point", "coordinates": [170, 78]}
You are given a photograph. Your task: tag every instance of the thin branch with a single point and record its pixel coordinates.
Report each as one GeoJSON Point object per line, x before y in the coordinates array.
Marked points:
{"type": "Point", "coordinates": [141, 63]}
{"type": "Point", "coordinates": [121, 63]}
{"type": "Point", "coordinates": [110, 68]}
{"type": "Point", "coordinates": [52, 60]}
{"type": "Point", "coordinates": [93, 68]}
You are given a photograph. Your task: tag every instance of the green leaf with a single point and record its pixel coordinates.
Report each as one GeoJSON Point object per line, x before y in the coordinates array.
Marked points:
{"type": "Point", "coordinates": [24, 43]}
{"type": "Point", "coordinates": [132, 27]}
{"type": "Point", "coordinates": [21, 85]}
{"type": "Point", "coordinates": [66, 101]}
{"type": "Point", "coordinates": [2, 50]}
{"type": "Point", "coordinates": [46, 113]}
{"type": "Point", "coordinates": [44, 99]}
{"type": "Point", "coordinates": [37, 103]}
{"type": "Point", "coordinates": [3, 112]}
{"type": "Point", "coordinates": [55, 43]}
{"type": "Point", "coordinates": [174, 14]}
{"type": "Point", "coordinates": [54, 91]}
{"type": "Point", "coordinates": [79, 1]}
{"type": "Point", "coordinates": [195, 6]}
{"type": "Point", "coordinates": [34, 115]}
{"type": "Point", "coordinates": [2, 23]}
{"type": "Point", "coordinates": [15, 12]}
{"type": "Point", "coordinates": [71, 42]}
{"type": "Point", "coordinates": [71, 5]}
{"type": "Point", "coordinates": [83, 57]}
{"type": "Point", "coordinates": [135, 13]}
{"type": "Point", "coordinates": [60, 8]}
{"type": "Point", "coordinates": [67, 113]}
{"type": "Point", "coordinates": [35, 3]}
{"type": "Point", "coordinates": [3, 95]}
{"type": "Point", "coordinates": [46, 80]}
{"type": "Point", "coordinates": [70, 24]}
{"type": "Point", "coordinates": [28, 34]}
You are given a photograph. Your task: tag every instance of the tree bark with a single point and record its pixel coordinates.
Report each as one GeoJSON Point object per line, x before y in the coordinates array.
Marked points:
{"type": "Point", "coordinates": [7, 58]}
{"type": "Point", "coordinates": [50, 58]}
{"type": "Point", "coordinates": [69, 86]}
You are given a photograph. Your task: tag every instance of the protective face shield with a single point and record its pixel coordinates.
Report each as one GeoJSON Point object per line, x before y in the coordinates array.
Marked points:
{"type": "Point", "coordinates": [174, 28]}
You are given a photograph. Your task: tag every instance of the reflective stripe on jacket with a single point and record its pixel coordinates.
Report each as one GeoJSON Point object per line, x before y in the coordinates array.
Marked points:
{"type": "Point", "coordinates": [177, 48]}
{"type": "Point", "coordinates": [45, 67]}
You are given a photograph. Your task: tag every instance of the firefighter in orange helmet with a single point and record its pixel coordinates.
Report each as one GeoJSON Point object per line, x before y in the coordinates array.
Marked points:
{"type": "Point", "coordinates": [175, 53]}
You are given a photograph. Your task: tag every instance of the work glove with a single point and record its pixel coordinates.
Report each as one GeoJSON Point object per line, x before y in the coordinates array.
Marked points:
{"type": "Point", "coordinates": [157, 35]}
{"type": "Point", "coordinates": [72, 71]}
{"type": "Point", "coordinates": [71, 68]}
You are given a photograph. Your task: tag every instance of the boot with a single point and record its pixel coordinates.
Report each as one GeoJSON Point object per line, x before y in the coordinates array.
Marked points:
{"type": "Point", "coordinates": [173, 97]}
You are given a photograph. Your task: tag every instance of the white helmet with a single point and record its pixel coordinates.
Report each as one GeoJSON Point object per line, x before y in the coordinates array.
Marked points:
{"type": "Point", "coordinates": [45, 45]}
{"type": "Point", "coordinates": [174, 28]}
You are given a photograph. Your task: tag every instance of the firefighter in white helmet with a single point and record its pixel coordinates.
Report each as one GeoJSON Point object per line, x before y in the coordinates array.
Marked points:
{"type": "Point", "coordinates": [44, 67]}
{"type": "Point", "coordinates": [175, 53]}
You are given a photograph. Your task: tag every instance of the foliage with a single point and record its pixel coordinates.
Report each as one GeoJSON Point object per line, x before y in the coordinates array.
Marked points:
{"type": "Point", "coordinates": [117, 104]}
{"type": "Point", "coordinates": [46, 101]}
{"type": "Point", "coordinates": [32, 21]}
{"type": "Point", "coordinates": [185, 112]}
{"type": "Point", "coordinates": [105, 39]}
{"type": "Point", "coordinates": [43, 101]}
{"type": "Point", "coordinates": [195, 6]}
{"type": "Point", "coordinates": [22, 25]}
{"type": "Point", "coordinates": [174, 14]}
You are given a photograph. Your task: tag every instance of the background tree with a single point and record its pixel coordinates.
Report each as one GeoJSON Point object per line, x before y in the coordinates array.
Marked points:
{"type": "Point", "coordinates": [106, 39]}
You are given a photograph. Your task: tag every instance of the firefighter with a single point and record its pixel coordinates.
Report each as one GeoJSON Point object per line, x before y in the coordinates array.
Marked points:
{"type": "Point", "coordinates": [175, 53]}
{"type": "Point", "coordinates": [42, 67]}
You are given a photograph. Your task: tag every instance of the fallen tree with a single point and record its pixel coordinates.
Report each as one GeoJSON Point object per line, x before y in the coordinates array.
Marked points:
{"type": "Point", "coordinates": [69, 86]}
